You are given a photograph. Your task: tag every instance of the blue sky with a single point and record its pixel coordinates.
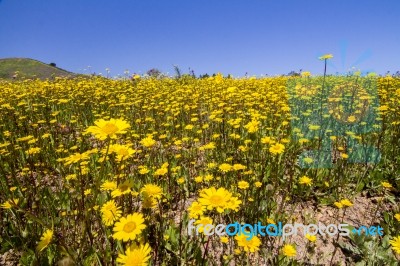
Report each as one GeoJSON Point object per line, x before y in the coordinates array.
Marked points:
{"type": "Point", "coordinates": [257, 37]}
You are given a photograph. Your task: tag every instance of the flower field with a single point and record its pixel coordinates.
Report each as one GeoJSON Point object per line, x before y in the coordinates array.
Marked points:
{"type": "Point", "coordinates": [95, 171]}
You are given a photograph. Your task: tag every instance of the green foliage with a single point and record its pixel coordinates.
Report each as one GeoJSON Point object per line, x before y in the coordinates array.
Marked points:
{"type": "Point", "coordinates": [365, 250]}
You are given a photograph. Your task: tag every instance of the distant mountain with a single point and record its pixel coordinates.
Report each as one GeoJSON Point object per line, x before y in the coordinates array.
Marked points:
{"type": "Point", "coordinates": [21, 68]}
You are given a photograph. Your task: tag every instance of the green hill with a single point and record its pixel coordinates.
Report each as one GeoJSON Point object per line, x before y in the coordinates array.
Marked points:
{"type": "Point", "coordinates": [22, 68]}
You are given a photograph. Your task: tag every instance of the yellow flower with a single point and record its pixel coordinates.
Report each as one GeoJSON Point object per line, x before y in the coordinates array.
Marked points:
{"type": "Point", "coordinates": [308, 160]}
{"type": "Point", "coordinates": [344, 156]}
{"type": "Point", "coordinates": [198, 179]}
{"type": "Point", "coordinates": [122, 189]}
{"type": "Point", "coordinates": [289, 250]}
{"type": "Point", "coordinates": [266, 140]}
{"type": "Point", "coordinates": [189, 127]}
{"type": "Point", "coordinates": [397, 216]}
{"type": "Point", "coordinates": [209, 146]}
{"type": "Point", "coordinates": [311, 238]}
{"type": "Point", "coordinates": [128, 228]}
{"type": "Point", "coordinates": [395, 242]}
{"type": "Point", "coordinates": [27, 138]}
{"type": "Point", "coordinates": [252, 126]}
{"type": "Point", "coordinates": [314, 127]}
{"type": "Point", "coordinates": [203, 221]}
{"type": "Point", "coordinates": [33, 151]}
{"type": "Point", "coordinates": [161, 171]}
{"type": "Point", "coordinates": [386, 185]}
{"type": "Point", "coordinates": [143, 170]}
{"type": "Point", "coordinates": [9, 203]}
{"type": "Point", "coordinates": [243, 185]}
{"type": "Point", "coordinates": [76, 157]}
{"type": "Point", "coordinates": [45, 240]}
{"type": "Point", "coordinates": [251, 245]}
{"type": "Point", "coordinates": [196, 210]}
{"type": "Point", "coordinates": [135, 255]}
{"type": "Point", "coordinates": [123, 152]}
{"type": "Point", "coordinates": [151, 190]}
{"type": "Point", "coordinates": [305, 180]}
{"type": "Point", "coordinates": [238, 166]}
{"type": "Point", "coordinates": [104, 129]}
{"type": "Point", "coordinates": [149, 202]}
{"type": "Point", "coordinates": [305, 74]}
{"type": "Point", "coordinates": [303, 140]}
{"type": "Point", "coordinates": [258, 184]}
{"type": "Point", "coordinates": [325, 57]}
{"type": "Point", "coordinates": [208, 177]}
{"type": "Point", "coordinates": [338, 205]}
{"type": "Point", "coordinates": [211, 165]}
{"type": "Point", "coordinates": [224, 239]}
{"type": "Point", "coordinates": [148, 142]}
{"type": "Point", "coordinates": [346, 202]}
{"type": "Point", "coordinates": [351, 119]}
{"type": "Point", "coordinates": [234, 204]}
{"type": "Point", "coordinates": [108, 186]}
{"type": "Point", "coordinates": [225, 167]}
{"type": "Point", "coordinates": [215, 199]}
{"type": "Point", "coordinates": [110, 212]}
{"type": "Point", "coordinates": [277, 148]}
{"type": "Point", "coordinates": [383, 108]}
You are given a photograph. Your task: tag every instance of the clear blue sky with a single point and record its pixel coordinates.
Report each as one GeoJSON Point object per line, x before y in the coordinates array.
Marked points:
{"type": "Point", "coordinates": [236, 37]}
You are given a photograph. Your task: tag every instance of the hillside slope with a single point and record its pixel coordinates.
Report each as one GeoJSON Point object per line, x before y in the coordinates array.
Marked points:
{"type": "Point", "coordinates": [29, 68]}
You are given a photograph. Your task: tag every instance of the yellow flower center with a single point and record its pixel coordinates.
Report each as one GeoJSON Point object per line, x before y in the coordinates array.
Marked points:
{"type": "Point", "coordinates": [110, 128]}
{"type": "Point", "coordinates": [129, 227]}
{"type": "Point", "coordinates": [216, 199]}
{"type": "Point", "coordinates": [197, 208]}
{"type": "Point", "coordinates": [123, 152]}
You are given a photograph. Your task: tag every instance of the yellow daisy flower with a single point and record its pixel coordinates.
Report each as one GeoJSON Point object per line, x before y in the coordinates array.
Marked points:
{"type": "Point", "coordinates": [110, 212]}
{"type": "Point", "coordinates": [215, 199]}
{"type": "Point", "coordinates": [251, 245]}
{"type": "Point", "coordinates": [277, 148]}
{"type": "Point", "coordinates": [45, 240]}
{"type": "Point", "coordinates": [129, 227]}
{"type": "Point", "coordinates": [104, 129]}
{"type": "Point", "coordinates": [386, 185]}
{"type": "Point", "coordinates": [305, 180]}
{"type": "Point", "coordinates": [196, 210]}
{"type": "Point", "coordinates": [243, 185]}
{"type": "Point", "coordinates": [311, 238]}
{"type": "Point", "coordinates": [289, 250]}
{"type": "Point", "coordinates": [395, 243]}
{"type": "Point", "coordinates": [151, 190]}
{"type": "Point", "coordinates": [325, 57]}
{"type": "Point", "coordinates": [135, 255]}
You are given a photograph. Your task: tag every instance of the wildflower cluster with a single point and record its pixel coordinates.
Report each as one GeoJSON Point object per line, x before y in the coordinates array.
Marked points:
{"type": "Point", "coordinates": [110, 171]}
